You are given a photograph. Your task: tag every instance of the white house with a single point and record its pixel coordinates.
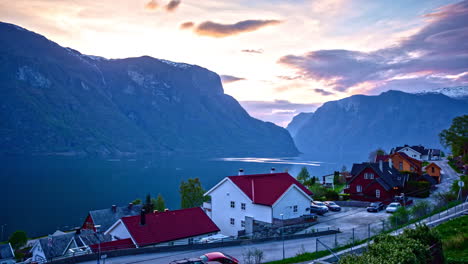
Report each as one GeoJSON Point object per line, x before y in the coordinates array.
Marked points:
{"type": "Point", "coordinates": [262, 197]}
{"type": "Point", "coordinates": [411, 153]}
{"type": "Point", "coordinates": [163, 228]}
{"type": "Point", "coordinates": [418, 152]}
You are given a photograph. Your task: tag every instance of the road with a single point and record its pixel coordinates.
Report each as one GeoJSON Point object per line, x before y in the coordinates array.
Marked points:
{"type": "Point", "coordinates": [449, 175]}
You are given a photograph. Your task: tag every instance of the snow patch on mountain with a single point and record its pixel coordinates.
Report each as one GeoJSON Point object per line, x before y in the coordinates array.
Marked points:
{"type": "Point", "coordinates": [454, 92]}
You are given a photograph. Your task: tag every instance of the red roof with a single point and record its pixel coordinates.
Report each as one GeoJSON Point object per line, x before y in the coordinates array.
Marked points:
{"type": "Point", "coordinates": [113, 245]}
{"type": "Point", "coordinates": [170, 225]}
{"type": "Point", "coordinates": [266, 188]}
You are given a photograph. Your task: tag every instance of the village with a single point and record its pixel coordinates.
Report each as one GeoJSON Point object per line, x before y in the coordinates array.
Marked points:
{"type": "Point", "coordinates": [260, 207]}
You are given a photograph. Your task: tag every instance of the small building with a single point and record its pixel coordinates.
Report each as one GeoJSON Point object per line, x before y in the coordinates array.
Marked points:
{"type": "Point", "coordinates": [65, 245]}
{"type": "Point", "coordinates": [418, 152]}
{"type": "Point", "coordinates": [258, 197]}
{"type": "Point", "coordinates": [7, 255]}
{"type": "Point", "coordinates": [402, 162]}
{"type": "Point", "coordinates": [372, 181]}
{"type": "Point", "coordinates": [178, 227]}
{"type": "Point", "coordinates": [107, 217]}
{"type": "Point", "coordinates": [434, 171]}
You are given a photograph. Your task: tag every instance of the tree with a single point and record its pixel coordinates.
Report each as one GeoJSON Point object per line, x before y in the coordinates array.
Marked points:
{"type": "Point", "coordinates": [378, 152]}
{"type": "Point", "coordinates": [159, 203]}
{"type": "Point", "coordinates": [304, 176]}
{"type": "Point", "coordinates": [191, 193]}
{"type": "Point", "coordinates": [18, 239]}
{"type": "Point", "coordinates": [420, 209]}
{"type": "Point", "coordinates": [136, 201]}
{"type": "Point", "coordinates": [344, 169]}
{"type": "Point", "coordinates": [149, 205]}
{"type": "Point", "coordinates": [456, 137]}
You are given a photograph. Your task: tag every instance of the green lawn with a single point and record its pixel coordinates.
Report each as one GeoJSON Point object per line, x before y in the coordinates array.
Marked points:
{"type": "Point", "coordinates": [454, 235]}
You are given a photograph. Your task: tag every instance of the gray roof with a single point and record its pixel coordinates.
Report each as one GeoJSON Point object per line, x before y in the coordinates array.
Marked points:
{"type": "Point", "coordinates": [55, 246]}
{"type": "Point", "coordinates": [106, 217]}
{"type": "Point", "coordinates": [389, 177]}
{"type": "Point", "coordinates": [421, 149]}
{"type": "Point", "coordinates": [6, 252]}
{"type": "Point", "coordinates": [428, 178]}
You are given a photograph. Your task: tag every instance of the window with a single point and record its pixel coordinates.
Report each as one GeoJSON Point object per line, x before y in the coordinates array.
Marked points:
{"type": "Point", "coordinates": [371, 176]}
{"type": "Point", "coordinates": [365, 176]}
{"type": "Point", "coordinates": [170, 243]}
{"type": "Point", "coordinates": [359, 188]}
{"type": "Point", "coordinates": [295, 209]}
{"type": "Point", "coordinates": [190, 240]}
{"type": "Point", "coordinates": [242, 206]}
{"type": "Point", "coordinates": [411, 168]}
{"type": "Point", "coordinates": [433, 169]}
{"type": "Point", "coordinates": [400, 166]}
{"type": "Point", "coordinates": [233, 204]}
{"type": "Point", "coordinates": [377, 193]}
{"type": "Point", "coordinates": [242, 224]}
{"type": "Point", "coordinates": [347, 186]}
{"type": "Point", "coordinates": [232, 221]}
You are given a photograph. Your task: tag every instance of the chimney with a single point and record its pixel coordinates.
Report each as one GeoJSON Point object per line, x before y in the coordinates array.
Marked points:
{"type": "Point", "coordinates": [273, 170]}
{"type": "Point", "coordinates": [241, 172]}
{"type": "Point", "coordinates": [166, 210]}
{"type": "Point", "coordinates": [155, 211]}
{"type": "Point", "coordinates": [130, 206]}
{"type": "Point", "coordinates": [381, 165]}
{"type": "Point", "coordinates": [114, 208]}
{"type": "Point", "coordinates": [142, 217]}
{"type": "Point", "coordinates": [390, 163]}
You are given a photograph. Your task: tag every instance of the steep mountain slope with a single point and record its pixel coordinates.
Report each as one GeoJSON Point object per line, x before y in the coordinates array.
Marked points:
{"type": "Point", "coordinates": [358, 124]}
{"type": "Point", "coordinates": [57, 100]}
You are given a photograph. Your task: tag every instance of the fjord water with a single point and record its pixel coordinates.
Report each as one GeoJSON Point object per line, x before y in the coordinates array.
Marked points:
{"type": "Point", "coordinates": [43, 194]}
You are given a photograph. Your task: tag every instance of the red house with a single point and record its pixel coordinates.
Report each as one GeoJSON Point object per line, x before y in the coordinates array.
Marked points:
{"type": "Point", "coordinates": [374, 182]}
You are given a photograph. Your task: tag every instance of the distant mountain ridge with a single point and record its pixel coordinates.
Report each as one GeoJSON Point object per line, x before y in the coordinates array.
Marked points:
{"type": "Point", "coordinates": [356, 125]}
{"type": "Point", "coordinates": [55, 100]}
{"type": "Point", "coordinates": [454, 92]}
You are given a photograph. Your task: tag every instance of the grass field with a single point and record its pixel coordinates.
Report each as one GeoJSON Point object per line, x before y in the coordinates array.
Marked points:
{"type": "Point", "coordinates": [454, 235]}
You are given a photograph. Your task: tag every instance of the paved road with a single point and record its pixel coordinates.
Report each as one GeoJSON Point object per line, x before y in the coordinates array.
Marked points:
{"type": "Point", "coordinates": [449, 175]}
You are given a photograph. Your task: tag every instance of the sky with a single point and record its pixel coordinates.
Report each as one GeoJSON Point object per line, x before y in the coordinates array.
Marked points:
{"type": "Point", "coordinates": [276, 57]}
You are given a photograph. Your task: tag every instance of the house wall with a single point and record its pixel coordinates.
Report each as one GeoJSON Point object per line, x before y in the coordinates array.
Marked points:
{"type": "Point", "coordinates": [369, 187]}
{"type": "Point", "coordinates": [434, 174]}
{"type": "Point", "coordinates": [38, 254]}
{"type": "Point", "coordinates": [222, 212]}
{"type": "Point", "coordinates": [285, 205]}
{"type": "Point", "coordinates": [411, 153]}
{"type": "Point", "coordinates": [118, 232]}
{"type": "Point", "coordinates": [88, 223]}
{"type": "Point", "coordinates": [396, 159]}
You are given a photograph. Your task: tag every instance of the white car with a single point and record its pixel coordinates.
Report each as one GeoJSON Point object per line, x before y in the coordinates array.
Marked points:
{"type": "Point", "coordinates": [215, 238]}
{"type": "Point", "coordinates": [391, 208]}
{"type": "Point", "coordinates": [320, 204]}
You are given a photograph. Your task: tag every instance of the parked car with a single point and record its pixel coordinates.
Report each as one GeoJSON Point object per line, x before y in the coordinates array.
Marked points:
{"type": "Point", "coordinates": [188, 261]}
{"type": "Point", "coordinates": [317, 210]}
{"type": "Point", "coordinates": [320, 204]}
{"type": "Point", "coordinates": [391, 208]}
{"type": "Point", "coordinates": [219, 257]}
{"type": "Point", "coordinates": [375, 207]}
{"type": "Point", "coordinates": [332, 206]}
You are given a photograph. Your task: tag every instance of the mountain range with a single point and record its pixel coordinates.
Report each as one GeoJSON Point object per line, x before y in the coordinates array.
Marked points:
{"type": "Point", "coordinates": [55, 100]}
{"type": "Point", "coordinates": [356, 125]}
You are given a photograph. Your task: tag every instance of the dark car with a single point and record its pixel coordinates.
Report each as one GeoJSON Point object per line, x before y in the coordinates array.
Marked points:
{"type": "Point", "coordinates": [375, 207]}
{"type": "Point", "coordinates": [332, 206]}
{"type": "Point", "coordinates": [317, 210]}
{"type": "Point", "coordinates": [219, 257]}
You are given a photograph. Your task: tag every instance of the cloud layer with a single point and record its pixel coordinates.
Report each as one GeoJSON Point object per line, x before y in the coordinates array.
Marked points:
{"type": "Point", "coordinates": [172, 5]}
{"type": "Point", "coordinates": [218, 30]}
{"type": "Point", "coordinates": [437, 53]}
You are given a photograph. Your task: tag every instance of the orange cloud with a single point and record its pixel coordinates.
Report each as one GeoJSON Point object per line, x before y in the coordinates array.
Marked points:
{"type": "Point", "coordinates": [186, 25]}
{"type": "Point", "coordinates": [217, 30]}
{"type": "Point", "coordinates": [152, 5]}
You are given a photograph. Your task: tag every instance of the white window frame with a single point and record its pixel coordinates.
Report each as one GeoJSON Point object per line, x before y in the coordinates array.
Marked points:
{"type": "Point", "coordinates": [242, 223]}
{"type": "Point", "coordinates": [232, 221]}
{"type": "Point", "coordinates": [233, 204]}
{"type": "Point", "coordinates": [371, 176]}
{"type": "Point", "coordinates": [377, 193]}
{"type": "Point", "coordinates": [243, 206]}
{"type": "Point", "coordinates": [365, 176]}
{"type": "Point", "coordinates": [359, 188]}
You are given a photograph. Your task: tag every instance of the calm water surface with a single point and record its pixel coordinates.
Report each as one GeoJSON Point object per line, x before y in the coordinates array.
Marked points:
{"type": "Point", "coordinates": [43, 194]}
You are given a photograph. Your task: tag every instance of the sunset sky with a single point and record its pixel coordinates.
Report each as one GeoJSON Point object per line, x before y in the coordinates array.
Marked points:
{"type": "Point", "coordinates": [276, 57]}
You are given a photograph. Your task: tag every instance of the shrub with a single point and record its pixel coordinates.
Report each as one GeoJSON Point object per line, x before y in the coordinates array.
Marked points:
{"type": "Point", "coordinates": [331, 195]}
{"type": "Point", "coordinates": [18, 239]}
{"type": "Point", "coordinates": [418, 189]}
{"type": "Point", "coordinates": [253, 256]}
{"type": "Point", "coordinates": [420, 209]}
{"type": "Point", "coordinates": [344, 196]}
{"type": "Point", "coordinates": [400, 216]}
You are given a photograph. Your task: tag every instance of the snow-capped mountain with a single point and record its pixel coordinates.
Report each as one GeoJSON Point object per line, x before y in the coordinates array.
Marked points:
{"type": "Point", "coordinates": [454, 92]}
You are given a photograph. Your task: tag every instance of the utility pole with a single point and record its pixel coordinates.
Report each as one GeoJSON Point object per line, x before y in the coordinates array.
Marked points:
{"type": "Point", "coordinates": [99, 242]}
{"type": "Point", "coordinates": [282, 231]}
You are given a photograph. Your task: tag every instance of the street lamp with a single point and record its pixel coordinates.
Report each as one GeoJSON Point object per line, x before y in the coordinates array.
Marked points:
{"type": "Point", "coordinates": [282, 231]}
{"type": "Point", "coordinates": [99, 242]}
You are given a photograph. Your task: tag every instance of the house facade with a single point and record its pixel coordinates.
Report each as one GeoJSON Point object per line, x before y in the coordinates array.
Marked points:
{"type": "Point", "coordinates": [178, 227]}
{"type": "Point", "coordinates": [418, 152]}
{"type": "Point", "coordinates": [7, 255]}
{"type": "Point", "coordinates": [402, 162]}
{"type": "Point", "coordinates": [374, 182]}
{"type": "Point", "coordinates": [434, 171]}
{"type": "Point", "coordinates": [260, 197]}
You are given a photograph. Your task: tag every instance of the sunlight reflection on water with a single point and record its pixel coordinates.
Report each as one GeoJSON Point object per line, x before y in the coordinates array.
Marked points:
{"type": "Point", "coordinates": [291, 161]}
